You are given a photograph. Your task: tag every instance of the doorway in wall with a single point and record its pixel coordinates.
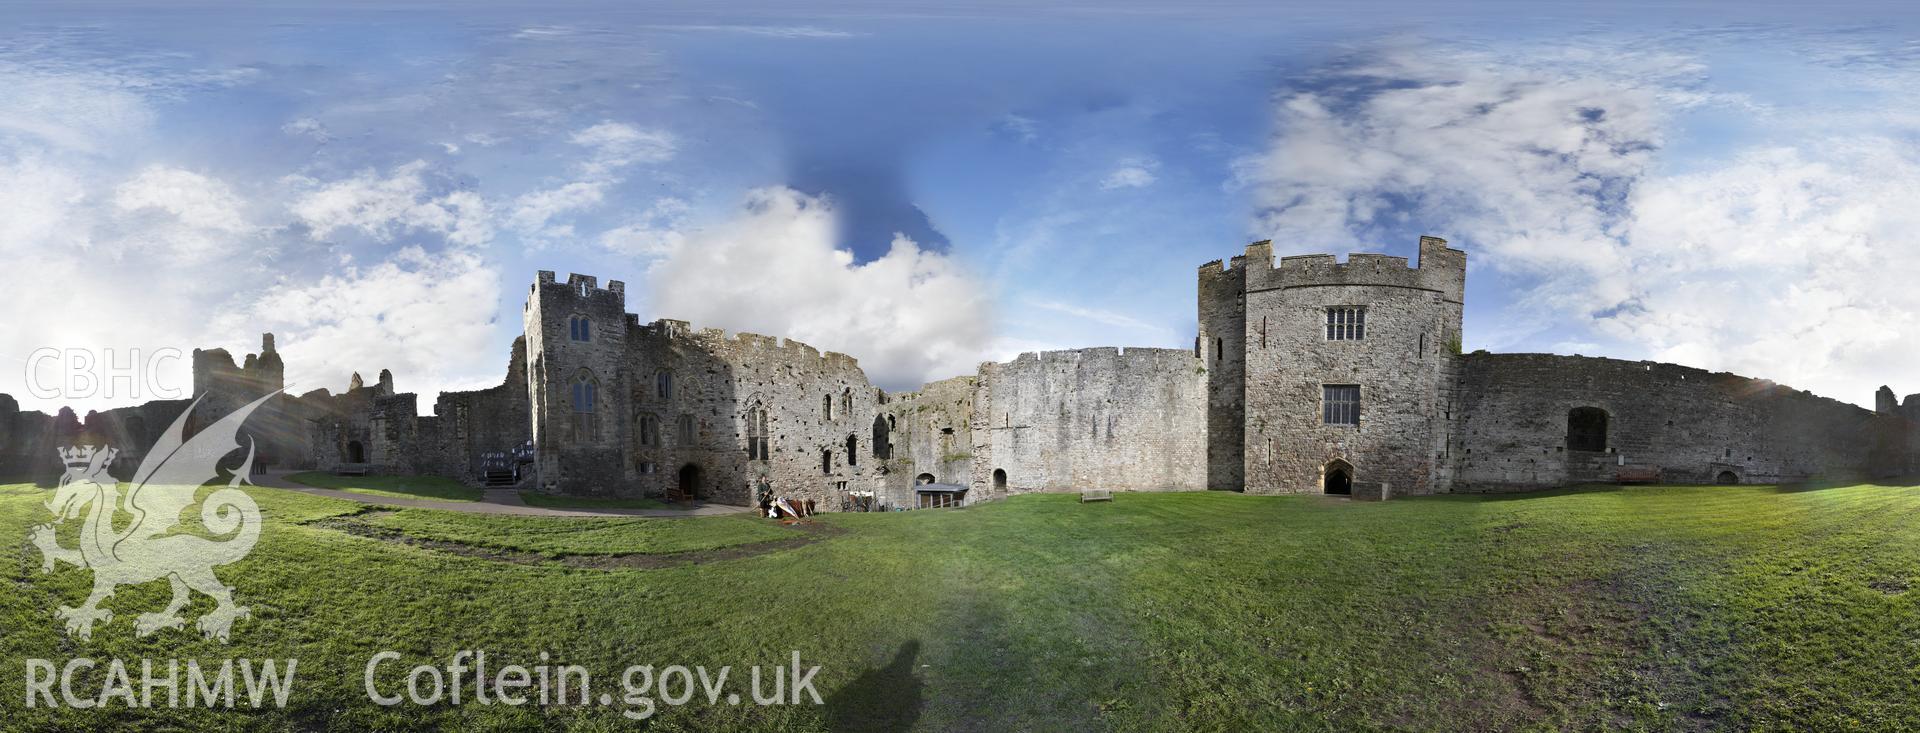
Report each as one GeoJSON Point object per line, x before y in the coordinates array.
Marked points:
{"type": "Point", "coordinates": [1337, 479]}
{"type": "Point", "coordinates": [690, 481]}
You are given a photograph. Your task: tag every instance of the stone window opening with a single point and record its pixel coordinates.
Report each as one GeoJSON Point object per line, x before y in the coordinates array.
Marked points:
{"type": "Point", "coordinates": [1340, 404]}
{"type": "Point", "coordinates": [826, 408]}
{"type": "Point", "coordinates": [882, 439]}
{"type": "Point", "coordinates": [1219, 347]}
{"type": "Point", "coordinates": [853, 450]}
{"type": "Point", "coordinates": [826, 461]}
{"type": "Point", "coordinates": [846, 401]}
{"type": "Point", "coordinates": [649, 431]}
{"type": "Point", "coordinates": [580, 328]}
{"type": "Point", "coordinates": [757, 434]}
{"type": "Point", "coordinates": [663, 385]}
{"type": "Point", "coordinates": [585, 393]}
{"type": "Point", "coordinates": [1346, 323]}
{"type": "Point", "coordinates": [1263, 332]}
{"type": "Point", "coordinates": [1423, 344]}
{"type": "Point", "coordinates": [1587, 429]}
{"type": "Point", "coordinates": [686, 431]}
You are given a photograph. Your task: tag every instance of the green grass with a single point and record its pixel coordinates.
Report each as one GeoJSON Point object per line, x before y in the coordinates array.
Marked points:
{"type": "Point", "coordinates": [1652, 608]}
{"type": "Point", "coordinates": [434, 488]}
{"type": "Point", "coordinates": [552, 501]}
{"type": "Point", "coordinates": [583, 536]}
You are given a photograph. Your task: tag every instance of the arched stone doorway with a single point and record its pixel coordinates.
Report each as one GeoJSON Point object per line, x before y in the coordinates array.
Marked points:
{"type": "Point", "coordinates": [925, 478]}
{"type": "Point", "coordinates": [1337, 479]}
{"type": "Point", "coordinates": [356, 453]}
{"type": "Point", "coordinates": [689, 485]}
{"type": "Point", "coordinates": [1727, 478]}
{"type": "Point", "coordinates": [1587, 429]}
{"type": "Point", "coordinates": [1000, 480]}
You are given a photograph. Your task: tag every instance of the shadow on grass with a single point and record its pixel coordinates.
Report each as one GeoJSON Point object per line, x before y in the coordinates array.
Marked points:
{"type": "Point", "coordinates": [881, 699]}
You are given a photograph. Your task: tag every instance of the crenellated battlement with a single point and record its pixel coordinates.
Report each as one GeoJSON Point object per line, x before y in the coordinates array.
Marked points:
{"type": "Point", "coordinates": [581, 286]}
{"type": "Point", "coordinates": [1440, 269]}
{"type": "Point", "coordinates": [1134, 355]}
{"type": "Point", "coordinates": [787, 349]}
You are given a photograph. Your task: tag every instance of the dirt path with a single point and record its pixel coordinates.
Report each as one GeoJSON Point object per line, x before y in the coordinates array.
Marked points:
{"type": "Point", "coordinates": [496, 501]}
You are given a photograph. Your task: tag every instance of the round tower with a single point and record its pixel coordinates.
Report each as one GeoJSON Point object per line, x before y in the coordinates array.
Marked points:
{"type": "Point", "coordinates": [1348, 369]}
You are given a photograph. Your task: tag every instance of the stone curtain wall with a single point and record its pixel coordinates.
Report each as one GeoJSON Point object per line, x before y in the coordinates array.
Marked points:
{"type": "Point", "coordinates": [1688, 423]}
{"type": "Point", "coordinates": [1402, 365]}
{"type": "Point", "coordinates": [1096, 418]}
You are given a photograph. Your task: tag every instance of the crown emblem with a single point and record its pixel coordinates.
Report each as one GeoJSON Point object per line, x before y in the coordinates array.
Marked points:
{"type": "Point", "coordinates": [79, 455]}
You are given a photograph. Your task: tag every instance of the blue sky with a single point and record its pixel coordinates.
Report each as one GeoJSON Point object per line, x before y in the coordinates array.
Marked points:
{"type": "Point", "coordinates": [926, 187]}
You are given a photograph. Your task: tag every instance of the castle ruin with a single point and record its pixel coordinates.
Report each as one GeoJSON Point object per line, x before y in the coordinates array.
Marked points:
{"type": "Point", "coordinates": [1308, 375]}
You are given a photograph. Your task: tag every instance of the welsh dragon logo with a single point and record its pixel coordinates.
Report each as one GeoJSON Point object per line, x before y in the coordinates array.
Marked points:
{"type": "Point", "coordinates": [153, 545]}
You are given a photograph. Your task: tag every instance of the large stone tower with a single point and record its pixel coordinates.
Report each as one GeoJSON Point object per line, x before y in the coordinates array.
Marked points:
{"type": "Point", "coordinates": [577, 381]}
{"type": "Point", "coordinates": [1343, 371]}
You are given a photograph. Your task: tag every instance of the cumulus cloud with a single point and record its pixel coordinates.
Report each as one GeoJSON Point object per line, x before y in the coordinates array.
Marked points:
{"type": "Point", "coordinates": [909, 316]}
{"type": "Point", "coordinates": [382, 207]}
{"type": "Point", "coordinates": [1770, 261]}
{"type": "Point", "coordinates": [427, 315]}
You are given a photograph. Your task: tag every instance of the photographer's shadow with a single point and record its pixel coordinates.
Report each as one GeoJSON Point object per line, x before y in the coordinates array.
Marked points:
{"type": "Point", "coordinates": [881, 699]}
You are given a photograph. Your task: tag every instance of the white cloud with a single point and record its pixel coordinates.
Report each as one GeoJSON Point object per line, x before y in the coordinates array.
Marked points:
{"type": "Point", "coordinates": [909, 316]}
{"type": "Point", "coordinates": [616, 145]}
{"type": "Point", "coordinates": [1776, 262]}
{"type": "Point", "coordinates": [532, 211]}
{"type": "Point", "coordinates": [382, 207]}
{"type": "Point", "coordinates": [194, 199]}
{"type": "Point", "coordinates": [1131, 173]}
{"type": "Point", "coordinates": [653, 233]}
{"type": "Point", "coordinates": [426, 315]}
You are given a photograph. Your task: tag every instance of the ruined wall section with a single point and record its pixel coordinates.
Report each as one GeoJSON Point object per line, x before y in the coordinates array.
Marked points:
{"type": "Point", "coordinates": [818, 405]}
{"type": "Point", "coordinates": [30, 441]}
{"type": "Point", "coordinates": [1402, 365]}
{"type": "Point", "coordinates": [1689, 424]}
{"type": "Point", "coordinates": [466, 425]}
{"type": "Point", "coordinates": [933, 439]}
{"type": "Point", "coordinates": [1221, 347]}
{"type": "Point", "coordinates": [1134, 420]}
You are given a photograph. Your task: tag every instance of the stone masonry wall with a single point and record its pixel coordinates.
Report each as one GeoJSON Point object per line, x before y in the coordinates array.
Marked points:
{"type": "Point", "coordinates": [1688, 423]}
{"type": "Point", "coordinates": [933, 440]}
{"type": "Point", "coordinates": [1096, 418]}
{"type": "Point", "coordinates": [1221, 345]}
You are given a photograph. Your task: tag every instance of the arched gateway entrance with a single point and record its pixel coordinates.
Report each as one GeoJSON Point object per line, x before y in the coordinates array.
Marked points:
{"type": "Point", "coordinates": [1337, 479]}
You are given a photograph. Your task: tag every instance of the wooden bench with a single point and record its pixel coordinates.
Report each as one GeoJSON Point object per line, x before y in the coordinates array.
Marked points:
{"type": "Point", "coordinates": [1637, 474]}
{"type": "Point", "coordinates": [1095, 495]}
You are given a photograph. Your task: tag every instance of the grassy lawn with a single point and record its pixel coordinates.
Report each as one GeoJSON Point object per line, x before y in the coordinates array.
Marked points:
{"type": "Point", "coordinates": [1651, 608]}
{"type": "Point", "coordinates": [398, 487]}
{"type": "Point", "coordinates": [582, 536]}
{"type": "Point", "coordinates": [550, 501]}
